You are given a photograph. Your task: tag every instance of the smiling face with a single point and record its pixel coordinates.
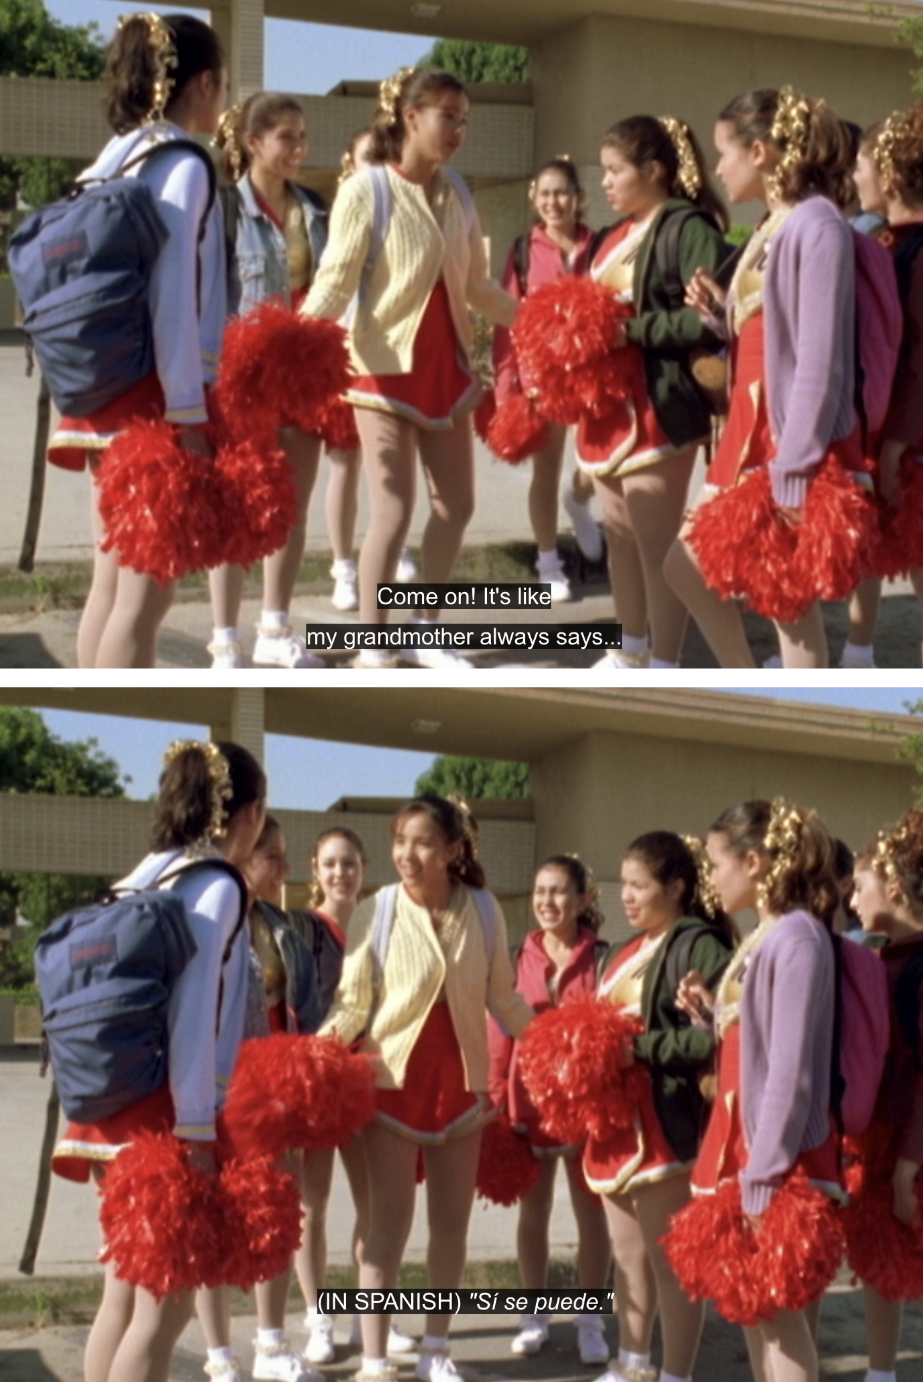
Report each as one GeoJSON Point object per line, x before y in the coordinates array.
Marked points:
{"type": "Point", "coordinates": [631, 189]}
{"type": "Point", "coordinates": [340, 870]}
{"type": "Point", "coordinates": [267, 868]}
{"type": "Point", "coordinates": [435, 132]}
{"type": "Point", "coordinates": [422, 854]}
{"type": "Point", "coordinates": [740, 168]}
{"type": "Point", "coordinates": [280, 151]}
{"type": "Point", "coordinates": [556, 200]}
{"type": "Point", "coordinates": [556, 902]}
{"type": "Point", "coordinates": [650, 906]}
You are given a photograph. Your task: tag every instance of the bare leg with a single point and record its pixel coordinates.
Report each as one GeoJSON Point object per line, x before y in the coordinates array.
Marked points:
{"type": "Point", "coordinates": [656, 501]}
{"type": "Point", "coordinates": [448, 459]}
{"type": "Point", "coordinates": [790, 1350]}
{"type": "Point", "coordinates": [594, 1251]}
{"type": "Point", "coordinates": [271, 1300]}
{"type": "Point", "coordinates": [532, 1230]}
{"type": "Point", "coordinates": [635, 1286]}
{"type": "Point", "coordinates": [757, 1350]}
{"type": "Point", "coordinates": [280, 571]}
{"type": "Point", "coordinates": [109, 1327]}
{"type": "Point", "coordinates": [311, 1256]}
{"type": "Point", "coordinates": [719, 620]}
{"type": "Point", "coordinates": [681, 1319]}
{"type": "Point", "coordinates": [389, 453]}
{"type": "Point", "coordinates": [341, 501]}
{"type": "Point", "coordinates": [392, 1163]}
{"type": "Point", "coordinates": [626, 572]}
{"type": "Point", "coordinates": [863, 613]}
{"type": "Point", "coordinates": [226, 587]}
{"type": "Point", "coordinates": [130, 636]}
{"type": "Point", "coordinates": [146, 1349]}
{"type": "Point", "coordinates": [213, 1307]}
{"type": "Point", "coordinates": [547, 465]}
{"type": "Point", "coordinates": [883, 1328]}
{"type": "Point", "coordinates": [101, 599]}
{"type": "Point", "coordinates": [357, 1173]}
{"type": "Point", "coordinates": [804, 644]}
{"type": "Point", "coordinates": [450, 1176]}
{"type": "Point", "coordinates": [581, 486]}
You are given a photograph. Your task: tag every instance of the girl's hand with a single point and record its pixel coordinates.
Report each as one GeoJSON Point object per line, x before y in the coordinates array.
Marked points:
{"type": "Point", "coordinates": [906, 1207]}
{"type": "Point", "coordinates": [889, 472]}
{"type": "Point", "coordinates": [704, 294]}
{"type": "Point", "coordinates": [195, 439]}
{"type": "Point", "coordinates": [693, 997]}
{"type": "Point", "coordinates": [626, 1057]}
{"type": "Point", "coordinates": [791, 517]}
{"type": "Point", "coordinates": [620, 338]}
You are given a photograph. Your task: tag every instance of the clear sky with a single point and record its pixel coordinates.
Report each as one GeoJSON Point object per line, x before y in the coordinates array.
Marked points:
{"type": "Point", "coordinates": [305, 58]}
{"type": "Point", "coordinates": [310, 774]}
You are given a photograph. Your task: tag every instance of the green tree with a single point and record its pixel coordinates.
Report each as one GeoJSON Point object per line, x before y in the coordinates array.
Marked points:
{"type": "Point", "coordinates": [475, 778]}
{"type": "Point", "coordinates": [479, 62]}
{"type": "Point", "coordinates": [909, 34]}
{"type": "Point", "coordinates": [33, 44]}
{"type": "Point", "coordinates": [32, 759]}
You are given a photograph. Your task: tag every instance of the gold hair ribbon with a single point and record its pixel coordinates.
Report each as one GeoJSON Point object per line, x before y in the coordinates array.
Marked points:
{"type": "Point", "coordinates": [163, 52]}
{"type": "Point", "coordinates": [220, 788]}
{"type": "Point", "coordinates": [790, 132]}
{"type": "Point", "coordinates": [690, 179]}
{"type": "Point", "coordinates": [893, 133]}
{"type": "Point", "coordinates": [469, 824]}
{"type": "Point", "coordinates": [887, 846]}
{"type": "Point", "coordinates": [705, 889]}
{"type": "Point", "coordinates": [391, 91]}
{"type": "Point", "coordinates": [783, 835]}
{"type": "Point", "coordinates": [229, 138]}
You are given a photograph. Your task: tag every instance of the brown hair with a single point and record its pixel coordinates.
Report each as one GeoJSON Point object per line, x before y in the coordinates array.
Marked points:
{"type": "Point", "coordinates": [897, 852]}
{"type": "Point", "coordinates": [566, 166]}
{"type": "Point", "coordinates": [823, 167]}
{"type": "Point", "coordinates": [348, 160]}
{"type": "Point", "coordinates": [457, 825]}
{"type": "Point", "coordinates": [270, 827]}
{"type": "Point", "coordinates": [417, 89]}
{"type": "Point", "coordinates": [643, 139]}
{"type": "Point", "coordinates": [669, 859]}
{"type": "Point", "coordinates": [131, 70]}
{"type": "Point", "coordinates": [582, 879]}
{"type": "Point", "coordinates": [800, 876]}
{"type": "Point", "coordinates": [259, 114]}
{"type": "Point", "coordinates": [905, 156]}
{"type": "Point", "coordinates": [315, 891]}
{"type": "Point", "coordinates": [183, 810]}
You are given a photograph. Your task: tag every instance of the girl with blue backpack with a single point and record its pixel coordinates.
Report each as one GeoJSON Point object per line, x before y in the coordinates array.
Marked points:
{"type": "Point", "coordinates": [166, 82]}
{"type": "Point", "coordinates": [207, 819]}
{"type": "Point", "coordinates": [278, 231]}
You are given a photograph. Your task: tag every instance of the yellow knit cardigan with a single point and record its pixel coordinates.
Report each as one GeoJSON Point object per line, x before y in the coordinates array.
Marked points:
{"type": "Point", "coordinates": [393, 1011]}
{"type": "Point", "coordinates": [425, 241]}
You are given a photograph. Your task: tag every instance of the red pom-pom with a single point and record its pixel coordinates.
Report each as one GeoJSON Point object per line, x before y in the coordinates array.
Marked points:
{"type": "Point", "coordinates": [507, 1166]}
{"type": "Point", "coordinates": [751, 1274]}
{"type": "Point", "coordinates": [881, 1250]}
{"type": "Point", "coordinates": [900, 542]}
{"type": "Point", "coordinates": [256, 499]}
{"type": "Point", "coordinates": [157, 503]}
{"type": "Point", "coordinates": [483, 414]}
{"type": "Point", "coordinates": [296, 1091]}
{"type": "Point", "coordinates": [565, 337]}
{"type": "Point", "coordinates": [517, 430]}
{"type": "Point", "coordinates": [745, 548]}
{"type": "Point", "coordinates": [160, 1219]}
{"type": "Point", "coordinates": [338, 427]}
{"type": "Point", "coordinates": [279, 369]}
{"type": "Point", "coordinates": [261, 1222]}
{"type": "Point", "coordinates": [570, 1062]}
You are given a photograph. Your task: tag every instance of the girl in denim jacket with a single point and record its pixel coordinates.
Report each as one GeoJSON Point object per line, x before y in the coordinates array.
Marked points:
{"type": "Point", "coordinates": [278, 230]}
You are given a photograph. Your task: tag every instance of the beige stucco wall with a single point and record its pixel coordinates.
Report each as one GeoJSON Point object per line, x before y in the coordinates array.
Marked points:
{"type": "Point", "coordinates": [604, 68]}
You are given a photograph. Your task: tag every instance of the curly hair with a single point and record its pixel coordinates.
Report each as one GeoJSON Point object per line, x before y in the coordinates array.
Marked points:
{"type": "Point", "coordinates": [801, 873]}
{"type": "Point", "coordinates": [823, 167]}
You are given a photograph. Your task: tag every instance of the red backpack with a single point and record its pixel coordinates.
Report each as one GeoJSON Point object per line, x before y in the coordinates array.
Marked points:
{"type": "Point", "coordinates": [861, 1034]}
{"type": "Point", "coordinates": [879, 328]}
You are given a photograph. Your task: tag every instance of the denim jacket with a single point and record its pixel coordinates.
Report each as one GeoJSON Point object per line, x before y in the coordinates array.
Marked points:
{"type": "Point", "coordinates": [303, 1011]}
{"type": "Point", "coordinates": [261, 257]}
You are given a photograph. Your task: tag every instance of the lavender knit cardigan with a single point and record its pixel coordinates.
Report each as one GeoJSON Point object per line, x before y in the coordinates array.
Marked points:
{"type": "Point", "coordinates": [786, 1033]}
{"type": "Point", "coordinates": [809, 300]}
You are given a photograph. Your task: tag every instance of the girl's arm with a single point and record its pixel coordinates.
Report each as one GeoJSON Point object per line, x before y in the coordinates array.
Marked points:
{"type": "Point", "coordinates": [355, 996]}
{"type": "Point", "coordinates": [701, 246]}
{"type": "Point", "coordinates": [501, 1054]}
{"type": "Point", "coordinates": [483, 293]}
{"type": "Point", "coordinates": [506, 1006]}
{"type": "Point", "coordinates": [506, 373]}
{"type": "Point", "coordinates": [339, 273]}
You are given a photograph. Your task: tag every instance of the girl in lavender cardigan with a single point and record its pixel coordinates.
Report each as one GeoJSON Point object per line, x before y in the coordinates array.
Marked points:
{"type": "Point", "coordinates": [790, 318]}
{"type": "Point", "coordinates": [774, 1018]}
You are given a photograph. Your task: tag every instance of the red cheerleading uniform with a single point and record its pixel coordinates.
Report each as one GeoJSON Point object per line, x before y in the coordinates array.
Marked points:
{"type": "Point", "coordinates": [85, 1143]}
{"type": "Point", "coordinates": [75, 436]}
{"type": "Point", "coordinates": [434, 1104]}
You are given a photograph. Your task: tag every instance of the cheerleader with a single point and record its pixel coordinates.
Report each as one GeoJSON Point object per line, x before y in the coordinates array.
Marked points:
{"type": "Point", "coordinates": [554, 963]}
{"type": "Point", "coordinates": [412, 333]}
{"type": "Point", "coordinates": [888, 896]}
{"type": "Point", "coordinates": [774, 1019]}
{"type": "Point", "coordinates": [557, 244]}
{"type": "Point", "coordinates": [641, 455]}
{"type": "Point", "coordinates": [341, 500]}
{"type": "Point", "coordinates": [791, 318]}
{"type": "Point", "coordinates": [211, 802]}
{"type": "Point", "coordinates": [166, 80]}
{"type": "Point", "coordinates": [643, 1172]}
{"type": "Point", "coordinates": [280, 230]}
{"type": "Point", "coordinates": [339, 865]}
{"type": "Point", "coordinates": [424, 960]}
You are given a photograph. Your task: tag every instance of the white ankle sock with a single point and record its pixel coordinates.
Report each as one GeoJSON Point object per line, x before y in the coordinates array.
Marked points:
{"type": "Point", "coordinates": [637, 647]}
{"type": "Point", "coordinates": [269, 1338]}
{"type": "Point", "coordinates": [274, 618]}
{"type": "Point", "coordinates": [343, 566]}
{"type": "Point", "coordinates": [633, 1360]}
{"type": "Point", "coordinates": [880, 1375]}
{"type": "Point", "coordinates": [672, 1377]}
{"type": "Point", "coordinates": [373, 1366]}
{"type": "Point", "coordinates": [434, 1343]}
{"type": "Point", "coordinates": [860, 654]}
{"type": "Point", "coordinates": [549, 561]}
{"type": "Point", "coordinates": [221, 1355]}
{"type": "Point", "coordinates": [658, 662]}
{"type": "Point", "coordinates": [229, 635]}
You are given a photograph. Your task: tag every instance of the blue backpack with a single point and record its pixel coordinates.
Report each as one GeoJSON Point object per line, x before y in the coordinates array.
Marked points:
{"type": "Point", "coordinates": [81, 267]}
{"type": "Point", "coordinates": [105, 973]}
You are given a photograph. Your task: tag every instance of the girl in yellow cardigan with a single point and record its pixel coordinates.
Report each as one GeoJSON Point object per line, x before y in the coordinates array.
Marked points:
{"type": "Point", "coordinates": [406, 258]}
{"type": "Point", "coordinates": [424, 961]}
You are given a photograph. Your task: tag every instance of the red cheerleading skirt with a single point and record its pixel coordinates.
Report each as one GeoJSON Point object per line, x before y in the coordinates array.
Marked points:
{"type": "Point", "coordinates": [439, 388]}
{"type": "Point", "coordinates": [631, 1157]}
{"type": "Point", "coordinates": [540, 1142]}
{"type": "Point", "coordinates": [86, 1143]}
{"type": "Point", "coordinates": [434, 1104]}
{"type": "Point", "coordinates": [746, 441]}
{"type": "Point", "coordinates": [627, 438]}
{"type": "Point", "coordinates": [75, 436]}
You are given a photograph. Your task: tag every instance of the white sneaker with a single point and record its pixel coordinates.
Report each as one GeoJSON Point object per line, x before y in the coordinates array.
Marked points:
{"type": "Point", "coordinates": [280, 1363]}
{"type": "Point", "coordinates": [397, 1342]}
{"type": "Point", "coordinates": [533, 1334]}
{"type": "Point", "coordinates": [616, 661]}
{"type": "Point", "coordinates": [319, 1348]}
{"type": "Point", "coordinates": [436, 659]}
{"type": "Point", "coordinates": [406, 568]}
{"type": "Point", "coordinates": [850, 663]}
{"type": "Point", "coordinates": [226, 1370]}
{"type": "Point", "coordinates": [591, 1340]}
{"type": "Point", "coordinates": [436, 1367]}
{"type": "Point", "coordinates": [586, 529]}
{"type": "Point", "coordinates": [374, 660]}
{"type": "Point", "coordinates": [345, 585]}
{"type": "Point", "coordinates": [226, 656]}
{"type": "Point", "coordinates": [282, 648]}
{"type": "Point", "coordinates": [556, 578]}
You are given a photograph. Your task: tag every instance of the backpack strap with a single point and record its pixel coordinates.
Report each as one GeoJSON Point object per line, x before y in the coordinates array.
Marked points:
{"type": "Point", "coordinates": [837, 1083]}
{"type": "Point", "coordinates": [383, 924]}
{"type": "Point", "coordinates": [222, 866]}
{"type": "Point", "coordinates": [521, 247]}
{"type": "Point", "coordinates": [381, 221]}
{"type": "Point", "coordinates": [666, 253]}
{"type": "Point", "coordinates": [678, 958]}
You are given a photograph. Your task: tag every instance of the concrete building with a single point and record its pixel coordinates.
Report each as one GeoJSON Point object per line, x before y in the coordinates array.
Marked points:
{"type": "Point", "coordinates": [605, 766]}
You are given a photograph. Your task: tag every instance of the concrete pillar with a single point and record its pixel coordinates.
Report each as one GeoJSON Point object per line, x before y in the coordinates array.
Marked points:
{"type": "Point", "coordinates": [239, 25]}
{"type": "Point", "coordinates": [246, 723]}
